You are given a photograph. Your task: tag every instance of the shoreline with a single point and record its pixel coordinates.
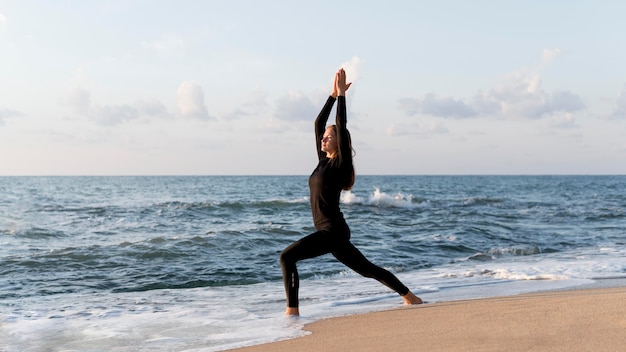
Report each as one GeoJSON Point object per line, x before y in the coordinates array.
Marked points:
{"type": "Point", "coordinates": [583, 318]}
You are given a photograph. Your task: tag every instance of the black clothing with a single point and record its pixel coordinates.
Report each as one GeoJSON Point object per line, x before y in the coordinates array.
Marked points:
{"type": "Point", "coordinates": [331, 175]}
{"type": "Point", "coordinates": [333, 234]}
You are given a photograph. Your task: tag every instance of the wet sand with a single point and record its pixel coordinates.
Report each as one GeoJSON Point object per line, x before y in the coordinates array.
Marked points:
{"type": "Point", "coordinates": [572, 320]}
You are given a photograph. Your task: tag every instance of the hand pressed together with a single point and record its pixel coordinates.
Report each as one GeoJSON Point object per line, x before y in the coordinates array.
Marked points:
{"type": "Point", "coordinates": [340, 87]}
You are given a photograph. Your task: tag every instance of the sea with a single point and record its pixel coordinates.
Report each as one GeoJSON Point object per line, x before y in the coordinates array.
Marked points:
{"type": "Point", "coordinates": [160, 263]}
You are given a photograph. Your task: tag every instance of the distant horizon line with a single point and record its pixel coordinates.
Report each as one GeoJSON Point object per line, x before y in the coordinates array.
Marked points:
{"type": "Point", "coordinates": [293, 175]}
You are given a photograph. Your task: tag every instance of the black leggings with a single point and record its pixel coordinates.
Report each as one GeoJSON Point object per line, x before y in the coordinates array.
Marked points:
{"type": "Point", "coordinates": [337, 242]}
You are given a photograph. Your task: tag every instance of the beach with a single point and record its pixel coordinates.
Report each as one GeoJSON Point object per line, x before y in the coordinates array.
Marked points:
{"type": "Point", "coordinates": [570, 320]}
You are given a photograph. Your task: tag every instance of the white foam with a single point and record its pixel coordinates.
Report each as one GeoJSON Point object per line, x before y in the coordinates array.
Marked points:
{"type": "Point", "coordinates": [194, 319]}
{"type": "Point", "coordinates": [380, 199]}
{"type": "Point", "coordinates": [213, 319]}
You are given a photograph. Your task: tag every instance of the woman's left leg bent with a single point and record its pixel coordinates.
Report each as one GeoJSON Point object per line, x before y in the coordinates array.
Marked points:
{"type": "Point", "coordinates": [311, 246]}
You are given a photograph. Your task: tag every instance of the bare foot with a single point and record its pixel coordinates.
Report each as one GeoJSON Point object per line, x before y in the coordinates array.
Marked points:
{"type": "Point", "coordinates": [411, 298]}
{"type": "Point", "coordinates": [292, 311]}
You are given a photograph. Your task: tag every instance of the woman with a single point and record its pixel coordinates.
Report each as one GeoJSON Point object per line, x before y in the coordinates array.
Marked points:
{"type": "Point", "coordinates": [333, 173]}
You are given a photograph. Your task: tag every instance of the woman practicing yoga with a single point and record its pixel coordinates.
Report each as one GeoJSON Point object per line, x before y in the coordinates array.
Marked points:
{"type": "Point", "coordinates": [334, 173]}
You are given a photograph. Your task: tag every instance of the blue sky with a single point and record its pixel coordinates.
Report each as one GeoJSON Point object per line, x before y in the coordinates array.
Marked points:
{"type": "Point", "coordinates": [232, 87]}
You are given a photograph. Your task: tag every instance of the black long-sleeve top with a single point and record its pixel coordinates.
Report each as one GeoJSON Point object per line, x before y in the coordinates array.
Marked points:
{"type": "Point", "coordinates": [331, 175]}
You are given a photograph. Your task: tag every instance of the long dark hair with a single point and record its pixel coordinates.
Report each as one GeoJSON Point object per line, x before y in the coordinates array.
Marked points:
{"type": "Point", "coordinates": [352, 177]}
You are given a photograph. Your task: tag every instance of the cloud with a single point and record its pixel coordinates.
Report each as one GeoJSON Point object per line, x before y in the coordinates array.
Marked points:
{"type": "Point", "coordinates": [3, 21]}
{"type": "Point", "coordinates": [424, 129]}
{"type": "Point", "coordinates": [519, 94]}
{"type": "Point", "coordinates": [296, 106]}
{"type": "Point", "coordinates": [110, 115]}
{"type": "Point", "coordinates": [566, 101]}
{"type": "Point", "coordinates": [170, 45]}
{"type": "Point", "coordinates": [190, 100]}
{"type": "Point", "coordinates": [437, 106]}
{"type": "Point", "coordinates": [255, 105]}
{"type": "Point", "coordinates": [564, 120]}
{"type": "Point", "coordinates": [353, 68]}
{"type": "Point", "coordinates": [7, 114]}
{"type": "Point", "coordinates": [152, 108]}
{"type": "Point", "coordinates": [79, 99]}
{"type": "Point", "coordinates": [549, 55]}
{"type": "Point", "coordinates": [620, 105]}
{"type": "Point", "coordinates": [516, 95]}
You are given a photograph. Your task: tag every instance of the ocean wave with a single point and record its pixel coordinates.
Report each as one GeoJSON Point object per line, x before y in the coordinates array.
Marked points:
{"type": "Point", "coordinates": [36, 233]}
{"type": "Point", "coordinates": [382, 200]}
{"type": "Point", "coordinates": [79, 211]}
{"type": "Point", "coordinates": [210, 231]}
{"type": "Point", "coordinates": [508, 251]}
{"type": "Point", "coordinates": [506, 274]}
{"type": "Point", "coordinates": [479, 201]}
{"type": "Point", "coordinates": [237, 205]}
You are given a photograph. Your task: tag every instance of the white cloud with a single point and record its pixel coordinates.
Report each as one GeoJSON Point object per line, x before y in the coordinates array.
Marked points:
{"type": "Point", "coordinates": [110, 115]}
{"type": "Point", "coordinates": [3, 21]}
{"type": "Point", "coordinates": [486, 103]}
{"type": "Point", "coordinates": [296, 106]}
{"type": "Point", "coordinates": [566, 101]}
{"type": "Point", "coordinates": [168, 45]}
{"type": "Point", "coordinates": [7, 114]}
{"type": "Point", "coordinates": [190, 101]}
{"type": "Point", "coordinates": [435, 105]}
{"type": "Point", "coordinates": [79, 99]}
{"type": "Point", "coordinates": [152, 108]}
{"type": "Point", "coordinates": [411, 106]}
{"type": "Point", "coordinates": [255, 105]}
{"type": "Point", "coordinates": [353, 68]}
{"type": "Point", "coordinates": [424, 129]}
{"type": "Point", "coordinates": [564, 120]}
{"type": "Point", "coordinates": [516, 95]}
{"type": "Point", "coordinates": [549, 55]}
{"type": "Point", "coordinates": [620, 108]}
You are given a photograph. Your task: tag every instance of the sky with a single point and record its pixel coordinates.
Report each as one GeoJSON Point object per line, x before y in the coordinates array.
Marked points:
{"type": "Point", "coordinates": [134, 87]}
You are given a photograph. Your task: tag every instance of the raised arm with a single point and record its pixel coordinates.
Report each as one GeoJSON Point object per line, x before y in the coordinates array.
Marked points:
{"type": "Point", "coordinates": [343, 138]}
{"type": "Point", "coordinates": [320, 125]}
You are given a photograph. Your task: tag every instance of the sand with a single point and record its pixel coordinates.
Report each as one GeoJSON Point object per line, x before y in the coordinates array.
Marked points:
{"type": "Point", "coordinates": [575, 320]}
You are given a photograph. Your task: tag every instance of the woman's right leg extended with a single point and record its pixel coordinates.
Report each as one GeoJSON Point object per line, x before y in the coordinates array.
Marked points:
{"type": "Point", "coordinates": [310, 246]}
{"type": "Point", "coordinates": [349, 255]}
